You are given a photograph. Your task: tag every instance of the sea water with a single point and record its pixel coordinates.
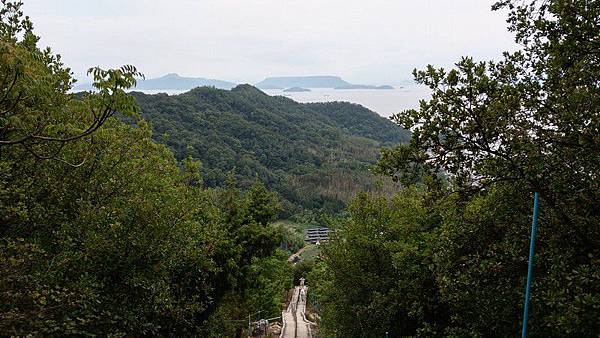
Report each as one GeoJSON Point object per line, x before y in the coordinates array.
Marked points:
{"type": "Point", "coordinates": [385, 102]}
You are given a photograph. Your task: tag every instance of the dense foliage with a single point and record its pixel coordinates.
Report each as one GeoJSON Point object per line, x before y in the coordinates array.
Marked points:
{"type": "Point", "coordinates": [105, 231]}
{"type": "Point", "coordinates": [316, 156]}
{"type": "Point", "coordinates": [102, 231]}
{"type": "Point", "coordinates": [448, 256]}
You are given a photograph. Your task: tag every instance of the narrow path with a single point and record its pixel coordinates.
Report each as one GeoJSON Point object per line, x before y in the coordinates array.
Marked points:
{"type": "Point", "coordinates": [295, 324]}
{"type": "Point", "coordinates": [294, 256]}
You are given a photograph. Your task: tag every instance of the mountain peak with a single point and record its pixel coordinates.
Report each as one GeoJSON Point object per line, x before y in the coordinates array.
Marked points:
{"type": "Point", "coordinates": [247, 88]}
{"type": "Point", "coordinates": [170, 76]}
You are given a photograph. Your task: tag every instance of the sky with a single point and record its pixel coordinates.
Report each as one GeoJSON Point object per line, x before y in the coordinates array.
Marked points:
{"type": "Point", "coordinates": [244, 41]}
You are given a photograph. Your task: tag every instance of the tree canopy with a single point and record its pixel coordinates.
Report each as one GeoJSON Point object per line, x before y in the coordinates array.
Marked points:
{"type": "Point", "coordinates": [103, 231]}
{"type": "Point", "coordinates": [316, 156]}
{"type": "Point", "coordinates": [448, 255]}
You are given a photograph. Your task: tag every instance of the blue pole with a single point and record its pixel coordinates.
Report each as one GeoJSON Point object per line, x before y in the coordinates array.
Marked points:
{"type": "Point", "coordinates": [530, 267]}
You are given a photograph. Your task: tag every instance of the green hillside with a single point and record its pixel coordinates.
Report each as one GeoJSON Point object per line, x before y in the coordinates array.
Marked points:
{"type": "Point", "coordinates": [314, 155]}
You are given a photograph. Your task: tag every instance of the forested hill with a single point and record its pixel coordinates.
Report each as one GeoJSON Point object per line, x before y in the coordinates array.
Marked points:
{"type": "Point", "coordinates": [315, 155]}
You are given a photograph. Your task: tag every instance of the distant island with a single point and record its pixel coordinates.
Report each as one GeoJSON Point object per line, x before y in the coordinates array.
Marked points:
{"type": "Point", "coordinates": [282, 82]}
{"type": "Point", "coordinates": [174, 81]}
{"type": "Point", "coordinates": [304, 82]}
{"type": "Point", "coordinates": [353, 86]}
{"type": "Point", "coordinates": [296, 90]}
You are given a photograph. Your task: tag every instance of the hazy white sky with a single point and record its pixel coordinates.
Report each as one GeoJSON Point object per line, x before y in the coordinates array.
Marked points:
{"type": "Point", "coordinates": [364, 41]}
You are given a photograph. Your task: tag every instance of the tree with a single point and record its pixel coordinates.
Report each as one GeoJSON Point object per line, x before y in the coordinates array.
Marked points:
{"type": "Point", "coordinates": [263, 205]}
{"type": "Point", "coordinates": [531, 119]}
{"type": "Point", "coordinates": [499, 131]}
{"type": "Point", "coordinates": [35, 101]}
{"type": "Point", "coordinates": [102, 231]}
{"type": "Point", "coordinates": [491, 134]}
{"type": "Point", "coordinates": [379, 274]}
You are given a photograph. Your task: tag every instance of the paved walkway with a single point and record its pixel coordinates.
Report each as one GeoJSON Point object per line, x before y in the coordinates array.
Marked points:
{"type": "Point", "coordinates": [295, 324]}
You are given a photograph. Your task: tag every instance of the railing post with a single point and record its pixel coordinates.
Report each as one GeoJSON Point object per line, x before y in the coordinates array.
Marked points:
{"type": "Point", "coordinates": [530, 265]}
